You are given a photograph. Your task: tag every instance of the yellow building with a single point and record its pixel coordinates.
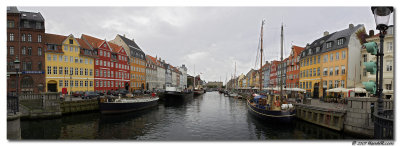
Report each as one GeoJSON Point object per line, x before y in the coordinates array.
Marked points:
{"type": "Point", "coordinates": [69, 64]}
{"type": "Point", "coordinates": [332, 61]}
{"type": "Point", "coordinates": [310, 69]}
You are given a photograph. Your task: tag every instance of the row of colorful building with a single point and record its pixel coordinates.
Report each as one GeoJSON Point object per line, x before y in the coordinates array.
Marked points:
{"type": "Point", "coordinates": [332, 61]}
{"type": "Point", "coordinates": [52, 62]}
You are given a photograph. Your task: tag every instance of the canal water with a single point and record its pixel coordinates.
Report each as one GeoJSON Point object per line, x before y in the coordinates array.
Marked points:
{"type": "Point", "coordinates": [211, 116]}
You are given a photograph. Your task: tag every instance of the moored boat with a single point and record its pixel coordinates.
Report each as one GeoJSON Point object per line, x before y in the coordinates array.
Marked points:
{"type": "Point", "coordinates": [112, 106]}
{"type": "Point", "coordinates": [270, 108]}
{"type": "Point", "coordinates": [174, 94]}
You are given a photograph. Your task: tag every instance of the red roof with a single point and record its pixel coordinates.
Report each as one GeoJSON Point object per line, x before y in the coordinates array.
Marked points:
{"type": "Point", "coordinates": [94, 42]}
{"type": "Point", "coordinates": [297, 49]}
{"type": "Point", "coordinates": [54, 38]}
{"type": "Point", "coordinates": [116, 48]}
{"type": "Point", "coordinates": [82, 43]}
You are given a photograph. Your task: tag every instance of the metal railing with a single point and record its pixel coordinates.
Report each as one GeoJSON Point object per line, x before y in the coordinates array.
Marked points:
{"type": "Point", "coordinates": [383, 125]}
{"type": "Point", "coordinates": [12, 104]}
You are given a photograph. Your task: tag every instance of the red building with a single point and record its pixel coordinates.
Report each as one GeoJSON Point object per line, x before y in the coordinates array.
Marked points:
{"type": "Point", "coordinates": [111, 65]}
{"type": "Point", "coordinates": [293, 67]}
{"type": "Point", "coordinates": [273, 73]}
{"type": "Point", "coordinates": [25, 42]}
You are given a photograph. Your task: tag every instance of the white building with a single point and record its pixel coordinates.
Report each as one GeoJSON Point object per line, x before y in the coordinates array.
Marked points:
{"type": "Point", "coordinates": [160, 83]}
{"type": "Point", "coordinates": [388, 61]}
{"type": "Point", "coordinates": [151, 73]}
{"type": "Point", "coordinates": [183, 76]}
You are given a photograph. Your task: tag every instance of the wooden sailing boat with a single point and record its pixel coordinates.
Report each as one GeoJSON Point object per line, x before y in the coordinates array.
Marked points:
{"type": "Point", "coordinates": [269, 106]}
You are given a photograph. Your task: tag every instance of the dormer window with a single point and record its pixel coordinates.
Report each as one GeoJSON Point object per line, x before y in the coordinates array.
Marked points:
{"type": "Point", "coordinates": [309, 51]}
{"type": "Point", "coordinates": [317, 49]}
{"type": "Point", "coordinates": [340, 41]}
{"type": "Point", "coordinates": [329, 45]}
{"type": "Point", "coordinates": [71, 41]}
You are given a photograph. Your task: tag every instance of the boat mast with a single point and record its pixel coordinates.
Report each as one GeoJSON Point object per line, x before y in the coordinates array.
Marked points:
{"type": "Point", "coordinates": [234, 78]}
{"type": "Point", "coordinates": [194, 78]}
{"type": "Point", "coordinates": [281, 94]}
{"type": "Point", "coordinates": [261, 50]}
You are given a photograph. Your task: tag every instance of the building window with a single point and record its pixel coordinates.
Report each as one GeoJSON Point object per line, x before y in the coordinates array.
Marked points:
{"type": "Point", "coordinates": [97, 72]}
{"type": "Point", "coordinates": [325, 58]}
{"type": "Point", "coordinates": [328, 45]}
{"type": "Point", "coordinates": [340, 41]}
{"type": "Point", "coordinates": [76, 71]}
{"type": "Point", "coordinates": [343, 54]}
{"type": "Point", "coordinates": [54, 57]}
{"type": "Point", "coordinates": [11, 37]}
{"type": "Point", "coordinates": [10, 24]}
{"type": "Point", "coordinates": [342, 83]}
{"type": "Point", "coordinates": [86, 71]}
{"type": "Point", "coordinates": [318, 71]}
{"type": "Point", "coordinates": [61, 58]}
{"type": "Point", "coordinates": [337, 70]}
{"type": "Point", "coordinates": [60, 83]}
{"type": "Point", "coordinates": [343, 70]}
{"type": "Point", "coordinates": [90, 72]}
{"type": "Point", "coordinates": [66, 71]}
{"type": "Point", "coordinates": [11, 50]}
{"type": "Point", "coordinates": [23, 51]}
{"type": "Point", "coordinates": [314, 72]}
{"type": "Point", "coordinates": [72, 83]}
{"type": "Point", "coordinates": [40, 66]}
{"type": "Point", "coordinates": [365, 57]}
{"type": "Point", "coordinates": [86, 83]}
{"type": "Point", "coordinates": [71, 48]}
{"type": "Point", "coordinates": [331, 71]}
{"type": "Point", "coordinates": [388, 86]}
{"type": "Point", "coordinates": [23, 37]}
{"type": "Point", "coordinates": [336, 83]}
{"type": "Point", "coordinates": [39, 38]}
{"type": "Point", "coordinates": [91, 83]}
{"type": "Point", "coordinates": [389, 46]}
{"type": "Point", "coordinates": [364, 72]}
{"type": "Point", "coordinates": [331, 56]}
{"type": "Point", "coordinates": [80, 71]}
{"type": "Point", "coordinates": [337, 55]}
{"type": "Point", "coordinates": [71, 41]}
{"type": "Point", "coordinates": [54, 70]}
{"type": "Point", "coordinates": [319, 58]}
{"type": "Point", "coordinates": [29, 38]}
{"type": "Point", "coordinates": [76, 84]}
{"type": "Point", "coordinates": [324, 84]}
{"type": "Point", "coordinates": [76, 49]}
{"type": "Point", "coordinates": [71, 71]}
{"type": "Point", "coordinates": [101, 73]}
{"type": "Point", "coordinates": [330, 84]}
{"type": "Point", "coordinates": [389, 65]}
{"type": "Point", "coordinates": [60, 70]}
{"type": "Point", "coordinates": [97, 83]}
{"type": "Point", "coordinates": [39, 51]}
{"type": "Point", "coordinates": [81, 83]}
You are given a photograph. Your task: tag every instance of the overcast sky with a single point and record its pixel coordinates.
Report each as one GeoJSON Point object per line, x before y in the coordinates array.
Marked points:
{"type": "Point", "coordinates": [210, 38]}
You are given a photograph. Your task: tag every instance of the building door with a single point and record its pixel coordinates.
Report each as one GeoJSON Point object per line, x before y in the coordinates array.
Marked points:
{"type": "Point", "coordinates": [52, 86]}
{"type": "Point", "coordinates": [316, 90]}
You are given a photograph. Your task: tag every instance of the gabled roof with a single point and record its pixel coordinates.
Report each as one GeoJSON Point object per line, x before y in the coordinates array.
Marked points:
{"type": "Point", "coordinates": [82, 43]}
{"type": "Point", "coordinates": [115, 47]}
{"type": "Point", "coordinates": [152, 59]}
{"type": "Point", "coordinates": [130, 43]}
{"type": "Point", "coordinates": [93, 42]}
{"type": "Point", "coordinates": [346, 33]}
{"type": "Point", "coordinates": [54, 38]}
{"type": "Point", "coordinates": [297, 49]}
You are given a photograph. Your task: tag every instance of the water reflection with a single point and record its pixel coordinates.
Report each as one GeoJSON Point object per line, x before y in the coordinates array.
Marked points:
{"type": "Point", "coordinates": [210, 116]}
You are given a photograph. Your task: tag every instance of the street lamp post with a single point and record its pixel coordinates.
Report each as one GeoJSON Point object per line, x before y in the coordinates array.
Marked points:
{"type": "Point", "coordinates": [382, 15]}
{"type": "Point", "coordinates": [17, 66]}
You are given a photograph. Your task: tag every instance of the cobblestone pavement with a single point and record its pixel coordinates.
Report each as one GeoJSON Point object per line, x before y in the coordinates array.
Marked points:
{"type": "Point", "coordinates": [317, 102]}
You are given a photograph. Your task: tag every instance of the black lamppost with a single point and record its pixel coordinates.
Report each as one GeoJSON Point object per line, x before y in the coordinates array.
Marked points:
{"type": "Point", "coordinates": [17, 65]}
{"type": "Point", "coordinates": [382, 16]}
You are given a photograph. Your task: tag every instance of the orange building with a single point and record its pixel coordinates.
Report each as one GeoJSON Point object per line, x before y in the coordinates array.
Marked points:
{"type": "Point", "coordinates": [293, 67]}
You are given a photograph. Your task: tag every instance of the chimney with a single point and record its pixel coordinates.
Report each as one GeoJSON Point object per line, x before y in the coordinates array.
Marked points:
{"type": "Point", "coordinates": [351, 26]}
{"type": "Point", "coordinates": [326, 33]}
{"type": "Point", "coordinates": [371, 33]}
{"type": "Point", "coordinates": [124, 35]}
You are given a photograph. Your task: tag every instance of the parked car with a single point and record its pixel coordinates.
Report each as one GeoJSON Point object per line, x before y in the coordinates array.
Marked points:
{"type": "Point", "coordinates": [90, 95]}
{"type": "Point", "coordinates": [100, 93]}
{"type": "Point", "coordinates": [78, 94]}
